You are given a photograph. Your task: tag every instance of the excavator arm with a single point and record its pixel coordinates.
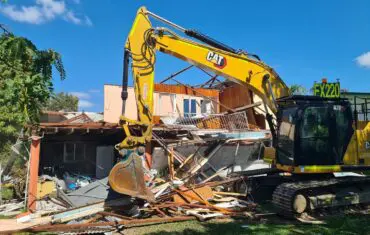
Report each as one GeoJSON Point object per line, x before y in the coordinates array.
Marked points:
{"type": "Point", "coordinates": [144, 41]}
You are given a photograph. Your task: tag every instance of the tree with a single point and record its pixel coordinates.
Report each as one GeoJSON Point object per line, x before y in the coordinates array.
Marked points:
{"type": "Point", "coordinates": [298, 89]}
{"type": "Point", "coordinates": [25, 85]}
{"type": "Point", "coordinates": [62, 101]}
{"type": "Point", "coordinates": [25, 81]}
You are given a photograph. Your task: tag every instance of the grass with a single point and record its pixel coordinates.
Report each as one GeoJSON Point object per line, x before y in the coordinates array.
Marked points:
{"type": "Point", "coordinates": [350, 224]}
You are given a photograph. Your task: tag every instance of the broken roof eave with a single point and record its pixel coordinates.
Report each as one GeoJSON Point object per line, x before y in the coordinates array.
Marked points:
{"type": "Point", "coordinates": [91, 125]}
{"type": "Point", "coordinates": [70, 128]}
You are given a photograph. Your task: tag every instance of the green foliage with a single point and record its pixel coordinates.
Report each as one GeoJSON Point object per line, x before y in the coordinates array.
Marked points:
{"type": "Point", "coordinates": [25, 85]}
{"type": "Point", "coordinates": [298, 89]}
{"type": "Point", "coordinates": [25, 81]}
{"type": "Point", "coordinates": [7, 193]}
{"type": "Point", "coordinates": [5, 145]}
{"type": "Point", "coordinates": [62, 101]}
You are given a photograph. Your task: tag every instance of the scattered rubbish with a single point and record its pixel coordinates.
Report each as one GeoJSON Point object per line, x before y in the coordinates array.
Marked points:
{"type": "Point", "coordinates": [45, 188]}
{"type": "Point", "coordinates": [75, 181]}
{"type": "Point", "coordinates": [94, 192]}
{"type": "Point", "coordinates": [203, 214]}
{"type": "Point", "coordinates": [194, 195]}
{"type": "Point", "coordinates": [24, 217]}
{"type": "Point", "coordinates": [5, 209]}
{"type": "Point", "coordinates": [307, 219]}
{"type": "Point", "coordinates": [77, 213]}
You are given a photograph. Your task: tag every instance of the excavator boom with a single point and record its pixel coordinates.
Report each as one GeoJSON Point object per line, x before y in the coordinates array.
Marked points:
{"type": "Point", "coordinates": [144, 41]}
{"type": "Point", "coordinates": [206, 53]}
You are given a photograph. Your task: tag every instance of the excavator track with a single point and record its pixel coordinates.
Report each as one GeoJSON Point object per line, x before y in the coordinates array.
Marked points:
{"type": "Point", "coordinates": [294, 198]}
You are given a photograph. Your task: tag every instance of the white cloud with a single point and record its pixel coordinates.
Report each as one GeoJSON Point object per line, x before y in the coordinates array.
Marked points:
{"type": "Point", "coordinates": [84, 104]}
{"type": "Point", "coordinates": [363, 60]}
{"type": "Point", "coordinates": [71, 17]}
{"type": "Point", "coordinates": [51, 8]}
{"type": "Point", "coordinates": [31, 15]}
{"type": "Point", "coordinates": [80, 95]}
{"type": "Point", "coordinates": [43, 11]}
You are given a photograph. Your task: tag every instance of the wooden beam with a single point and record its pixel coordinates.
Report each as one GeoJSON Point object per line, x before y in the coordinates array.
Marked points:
{"type": "Point", "coordinates": [148, 154]}
{"type": "Point", "coordinates": [171, 164]}
{"type": "Point", "coordinates": [34, 173]}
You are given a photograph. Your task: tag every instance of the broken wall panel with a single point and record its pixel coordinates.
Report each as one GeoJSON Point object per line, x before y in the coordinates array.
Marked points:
{"type": "Point", "coordinates": [236, 96]}
{"type": "Point", "coordinates": [241, 157]}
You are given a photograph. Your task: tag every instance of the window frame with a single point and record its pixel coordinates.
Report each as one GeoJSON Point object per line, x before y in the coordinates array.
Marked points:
{"type": "Point", "coordinates": [65, 160]}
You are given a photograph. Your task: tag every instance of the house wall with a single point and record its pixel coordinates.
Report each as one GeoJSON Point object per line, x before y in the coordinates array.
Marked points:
{"type": "Point", "coordinates": [113, 103]}
{"type": "Point", "coordinates": [167, 99]}
{"type": "Point", "coordinates": [52, 150]}
{"type": "Point", "coordinates": [52, 155]}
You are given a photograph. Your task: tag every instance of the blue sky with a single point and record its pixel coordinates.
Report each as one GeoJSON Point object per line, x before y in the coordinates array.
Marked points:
{"type": "Point", "coordinates": [303, 41]}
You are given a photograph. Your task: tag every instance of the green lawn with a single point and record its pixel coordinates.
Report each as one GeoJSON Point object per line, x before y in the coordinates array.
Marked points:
{"type": "Point", "coordinates": [350, 224]}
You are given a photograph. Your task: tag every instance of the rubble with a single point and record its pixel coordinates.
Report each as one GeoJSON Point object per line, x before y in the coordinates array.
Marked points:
{"type": "Point", "coordinates": [175, 201]}
{"type": "Point", "coordinates": [94, 192]}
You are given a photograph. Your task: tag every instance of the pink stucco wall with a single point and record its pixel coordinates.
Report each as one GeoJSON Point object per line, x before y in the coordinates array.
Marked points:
{"type": "Point", "coordinates": [165, 104]}
{"type": "Point", "coordinates": [113, 103]}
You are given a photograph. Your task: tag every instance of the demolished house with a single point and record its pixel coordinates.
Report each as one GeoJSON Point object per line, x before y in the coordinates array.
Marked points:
{"type": "Point", "coordinates": [195, 139]}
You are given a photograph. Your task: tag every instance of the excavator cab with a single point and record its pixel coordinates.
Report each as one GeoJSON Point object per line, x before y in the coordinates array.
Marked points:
{"type": "Point", "coordinates": [312, 131]}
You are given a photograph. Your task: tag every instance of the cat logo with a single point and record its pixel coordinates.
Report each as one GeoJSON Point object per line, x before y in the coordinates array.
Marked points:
{"type": "Point", "coordinates": [367, 145]}
{"type": "Point", "coordinates": [218, 60]}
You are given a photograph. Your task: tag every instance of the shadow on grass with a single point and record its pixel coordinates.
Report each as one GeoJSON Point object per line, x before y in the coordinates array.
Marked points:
{"type": "Point", "coordinates": [350, 224]}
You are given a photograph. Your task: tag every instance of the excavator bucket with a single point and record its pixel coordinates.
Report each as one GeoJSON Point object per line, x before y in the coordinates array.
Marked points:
{"type": "Point", "coordinates": [127, 177]}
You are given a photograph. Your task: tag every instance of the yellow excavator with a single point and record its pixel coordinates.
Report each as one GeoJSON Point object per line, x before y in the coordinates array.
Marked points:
{"type": "Point", "coordinates": [313, 137]}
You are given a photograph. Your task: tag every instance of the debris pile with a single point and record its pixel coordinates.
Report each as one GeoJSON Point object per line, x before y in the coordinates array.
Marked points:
{"type": "Point", "coordinates": [173, 202]}
{"type": "Point", "coordinates": [96, 207]}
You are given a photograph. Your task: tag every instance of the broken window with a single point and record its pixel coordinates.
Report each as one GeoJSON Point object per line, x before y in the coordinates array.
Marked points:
{"type": "Point", "coordinates": [206, 106]}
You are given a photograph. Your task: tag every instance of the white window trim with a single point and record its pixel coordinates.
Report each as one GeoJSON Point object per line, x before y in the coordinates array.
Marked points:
{"type": "Point", "coordinates": [190, 98]}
